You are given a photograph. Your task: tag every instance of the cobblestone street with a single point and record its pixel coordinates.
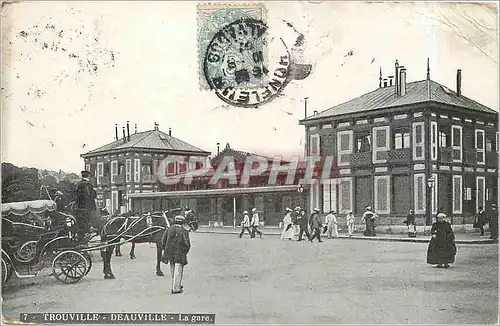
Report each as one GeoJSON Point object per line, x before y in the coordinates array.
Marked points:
{"type": "Point", "coordinates": [272, 281]}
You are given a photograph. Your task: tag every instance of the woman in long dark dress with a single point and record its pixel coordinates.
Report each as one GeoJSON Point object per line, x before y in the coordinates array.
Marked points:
{"type": "Point", "coordinates": [442, 248]}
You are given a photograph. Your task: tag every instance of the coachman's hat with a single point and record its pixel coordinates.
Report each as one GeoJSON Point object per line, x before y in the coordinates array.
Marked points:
{"type": "Point", "coordinates": [179, 218]}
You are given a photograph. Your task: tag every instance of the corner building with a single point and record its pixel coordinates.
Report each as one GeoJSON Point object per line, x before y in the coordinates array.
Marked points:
{"type": "Point", "coordinates": [416, 145]}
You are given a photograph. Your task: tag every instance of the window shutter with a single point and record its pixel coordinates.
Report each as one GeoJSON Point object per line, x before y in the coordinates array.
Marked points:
{"type": "Point", "coordinates": [100, 172]}
{"type": "Point", "coordinates": [114, 171]}
{"type": "Point", "coordinates": [128, 170]}
{"type": "Point", "coordinates": [418, 141]}
{"type": "Point", "coordinates": [456, 143]}
{"type": "Point", "coordinates": [345, 195]}
{"type": "Point", "coordinates": [457, 194]}
{"type": "Point", "coordinates": [434, 140]}
{"type": "Point", "coordinates": [419, 187]}
{"type": "Point", "coordinates": [480, 192]}
{"type": "Point", "coordinates": [137, 170]}
{"type": "Point", "coordinates": [434, 194]}
{"type": "Point", "coordinates": [380, 144]}
{"type": "Point", "coordinates": [382, 194]}
{"type": "Point", "coordinates": [314, 144]}
{"type": "Point", "coordinates": [344, 147]}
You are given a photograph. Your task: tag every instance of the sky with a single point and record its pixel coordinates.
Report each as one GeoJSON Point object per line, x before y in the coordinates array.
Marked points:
{"type": "Point", "coordinates": [72, 70]}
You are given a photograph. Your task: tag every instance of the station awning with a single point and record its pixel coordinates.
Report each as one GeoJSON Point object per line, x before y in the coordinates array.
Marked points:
{"type": "Point", "coordinates": [216, 192]}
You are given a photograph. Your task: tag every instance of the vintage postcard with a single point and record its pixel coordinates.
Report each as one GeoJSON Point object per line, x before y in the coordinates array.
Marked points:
{"type": "Point", "coordinates": [245, 162]}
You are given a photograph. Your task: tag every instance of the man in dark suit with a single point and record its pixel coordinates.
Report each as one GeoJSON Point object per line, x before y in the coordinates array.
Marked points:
{"type": "Point", "coordinates": [494, 222]}
{"type": "Point", "coordinates": [84, 204]}
{"type": "Point", "coordinates": [176, 244]}
{"type": "Point", "coordinates": [481, 219]}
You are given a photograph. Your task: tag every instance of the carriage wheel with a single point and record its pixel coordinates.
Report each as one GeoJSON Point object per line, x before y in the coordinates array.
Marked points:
{"type": "Point", "coordinates": [88, 259]}
{"type": "Point", "coordinates": [27, 252]}
{"type": "Point", "coordinates": [7, 270]}
{"type": "Point", "coordinates": [69, 266]}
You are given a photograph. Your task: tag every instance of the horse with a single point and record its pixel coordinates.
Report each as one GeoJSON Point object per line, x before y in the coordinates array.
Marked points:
{"type": "Point", "coordinates": [148, 227]}
{"type": "Point", "coordinates": [191, 219]}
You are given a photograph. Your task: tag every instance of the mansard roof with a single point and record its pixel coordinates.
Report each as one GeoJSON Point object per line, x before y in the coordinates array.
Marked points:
{"type": "Point", "coordinates": [416, 92]}
{"type": "Point", "coordinates": [150, 140]}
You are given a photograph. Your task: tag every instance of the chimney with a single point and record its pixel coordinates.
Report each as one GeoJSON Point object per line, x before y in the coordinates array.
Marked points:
{"type": "Point", "coordinates": [380, 78]}
{"type": "Point", "coordinates": [459, 82]}
{"type": "Point", "coordinates": [124, 138]}
{"type": "Point", "coordinates": [305, 107]}
{"type": "Point", "coordinates": [128, 131]}
{"type": "Point", "coordinates": [315, 112]}
{"type": "Point", "coordinates": [116, 131]}
{"type": "Point", "coordinates": [170, 131]}
{"type": "Point", "coordinates": [136, 128]}
{"type": "Point", "coordinates": [391, 79]}
{"type": "Point", "coordinates": [218, 148]}
{"type": "Point", "coordinates": [396, 80]}
{"type": "Point", "coordinates": [402, 77]}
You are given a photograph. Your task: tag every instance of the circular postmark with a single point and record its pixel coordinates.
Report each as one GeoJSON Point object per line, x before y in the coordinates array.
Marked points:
{"type": "Point", "coordinates": [245, 65]}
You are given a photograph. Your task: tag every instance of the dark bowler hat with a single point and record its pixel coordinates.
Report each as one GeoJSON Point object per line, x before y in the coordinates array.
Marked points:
{"type": "Point", "coordinates": [85, 174]}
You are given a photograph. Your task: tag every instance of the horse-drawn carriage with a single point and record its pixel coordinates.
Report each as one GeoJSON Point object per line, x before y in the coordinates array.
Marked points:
{"type": "Point", "coordinates": [34, 235]}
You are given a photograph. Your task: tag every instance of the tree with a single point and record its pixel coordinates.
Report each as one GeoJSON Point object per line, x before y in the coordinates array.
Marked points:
{"type": "Point", "coordinates": [19, 184]}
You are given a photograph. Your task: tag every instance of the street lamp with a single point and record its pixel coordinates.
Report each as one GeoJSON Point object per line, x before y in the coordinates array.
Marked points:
{"type": "Point", "coordinates": [300, 190]}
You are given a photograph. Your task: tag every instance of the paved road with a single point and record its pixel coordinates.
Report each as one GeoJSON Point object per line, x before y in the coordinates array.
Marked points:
{"type": "Point", "coordinates": [271, 281]}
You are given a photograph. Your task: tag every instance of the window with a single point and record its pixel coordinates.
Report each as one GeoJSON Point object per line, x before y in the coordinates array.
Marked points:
{"type": "Point", "coordinates": [457, 194]}
{"type": "Point", "coordinates": [314, 145]}
{"type": "Point", "coordinates": [329, 195]}
{"type": "Point", "coordinates": [480, 146]}
{"type": "Point", "coordinates": [100, 172]}
{"type": "Point", "coordinates": [170, 168]}
{"type": "Point", "coordinates": [344, 147]}
{"type": "Point", "coordinates": [456, 144]}
{"type": "Point", "coordinates": [203, 205]}
{"type": "Point", "coordinates": [443, 139]}
{"type": "Point", "coordinates": [182, 167]}
{"type": "Point", "coordinates": [418, 141]}
{"type": "Point", "coordinates": [401, 139]}
{"type": "Point", "coordinates": [489, 145]}
{"type": "Point", "coordinates": [381, 138]}
{"type": "Point", "coordinates": [363, 143]}
{"type": "Point", "coordinates": [146, 169]}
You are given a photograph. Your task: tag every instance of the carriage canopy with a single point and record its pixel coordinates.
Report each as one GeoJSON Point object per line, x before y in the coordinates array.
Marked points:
{"type": "Point", "coordinates": [23, 208]}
